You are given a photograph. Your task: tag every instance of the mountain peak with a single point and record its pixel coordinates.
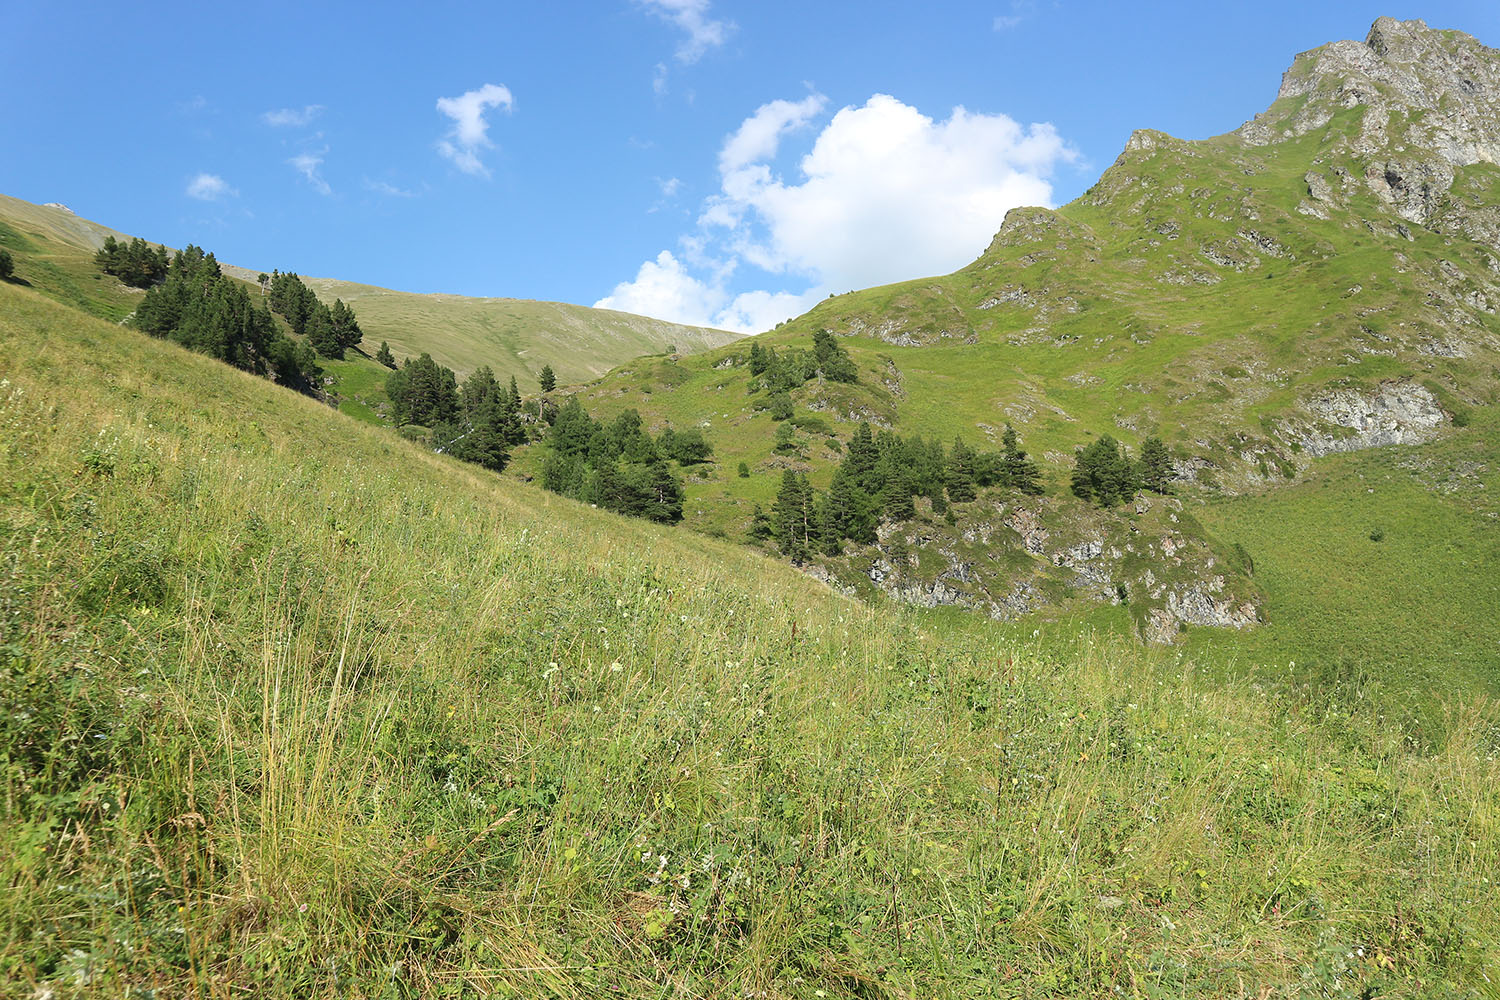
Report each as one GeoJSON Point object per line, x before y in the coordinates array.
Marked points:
{"type": "Point", "coordinates": [1433, 89]}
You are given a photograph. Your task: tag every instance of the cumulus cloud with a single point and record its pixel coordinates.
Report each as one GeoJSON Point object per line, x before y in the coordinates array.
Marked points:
{"type": "Point", "coordinates": [470, 132]}
{"type": "Point", "coordinates": [309, 165]}
{"type": "Point", "coordinates": [701, 32]}
{"type": "Point", "coordinates": [209, 187]}
{"type": "Point", "coordinates": [759, 136]}
{"type": "Point", "coordinates": [293, 117]}
{"type": "Point", "coordinates": [885, 193]}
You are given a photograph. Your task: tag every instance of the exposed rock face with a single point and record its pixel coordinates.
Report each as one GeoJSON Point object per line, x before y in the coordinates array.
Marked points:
{"type": "Point", "coordinates": [1395, 413]}
{"type": "Point", "coordinates": [1431, 103]}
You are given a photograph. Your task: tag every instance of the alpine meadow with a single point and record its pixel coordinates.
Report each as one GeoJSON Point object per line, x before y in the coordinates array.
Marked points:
{"type": "Point", "coordinates": [1117, 615]}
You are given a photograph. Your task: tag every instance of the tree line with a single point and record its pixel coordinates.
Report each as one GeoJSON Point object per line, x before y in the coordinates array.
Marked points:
{"type": "Point", "coordinates": [879, 479]}
{"type": "Point", "coordinates": [618, 465]}
{"type": "Point", "coordinates": [331, 330]}
{"type": "Point", "coordinates": [134, 263]}
{"type": "Point", "coordinates": [197, 306]}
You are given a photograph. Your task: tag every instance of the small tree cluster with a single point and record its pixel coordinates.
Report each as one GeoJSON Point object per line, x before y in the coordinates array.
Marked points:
{"type": "Point", "coordinates": [780, 373]}
{"type": "Point", "coordinates": [1105, 473]}
{"type": "Point", "coordinates": [134, 263]}
{"type": "Point", "coordinates": [422, 392]}
{"type": "Point", "coordinates": [618, 465]}
{"type": "Point", "coordinates": [879, 479]}
{"type": "Point", "coordinates": [488, 422]}
{"type": "Point", "coordinates": [330, 331]}
{"type": "Point", "coordinates": [201, 309]}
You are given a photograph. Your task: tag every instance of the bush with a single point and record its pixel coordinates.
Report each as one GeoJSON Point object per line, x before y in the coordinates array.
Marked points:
{"type": "Point", "coordinates": [7, 265]}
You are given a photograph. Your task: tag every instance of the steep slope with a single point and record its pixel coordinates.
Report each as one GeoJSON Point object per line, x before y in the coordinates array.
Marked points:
{"type": "Point", "coordinates": [1322, 280]}
{"type": "Point", "coordinates": [516, 337]}
{"type": "Point", "coordinates": [294, 708]}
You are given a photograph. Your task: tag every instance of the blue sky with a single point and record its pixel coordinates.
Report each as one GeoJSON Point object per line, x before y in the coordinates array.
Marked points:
{"type": "Point", "coordinates": [714, 161]}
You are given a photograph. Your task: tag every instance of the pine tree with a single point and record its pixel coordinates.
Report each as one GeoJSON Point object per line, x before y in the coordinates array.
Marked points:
{"type": "Point", "coordinates": [895, 499]}
{"type": "Point", "coordinates": [1103, 472]}
{"type": "Point", "coordinates": [960, 477]}
{"type": "Point", "coordinates": [345, 327]}
{"type": "Point", "coordinates": [792, 515]}
{"type": "Point", "coordinates": [548, 378]}
{"type": "Point", "coordinates": [1155, 466]}
{"type": "Point", "coordinates": [757, 360]}
{"type": "Point", "coordinates": [1021, 472]}
{"type": "Point", "coordinates": [7, 265]}
{"type": "Point", "coordinates": [384, 355]}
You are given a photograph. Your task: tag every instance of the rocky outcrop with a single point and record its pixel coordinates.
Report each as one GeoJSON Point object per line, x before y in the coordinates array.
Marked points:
{"type": "Point", "coordinates": [1350, 419]}
{"type": "Point", "coordinates": [1431, 103]}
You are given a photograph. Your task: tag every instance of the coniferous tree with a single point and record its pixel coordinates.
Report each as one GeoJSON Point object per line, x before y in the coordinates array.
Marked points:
{"type": "Point", "coordinates": [548, 379]}
{"type": "Point", "coordinates": [1155, 466]}
{"type": "Point", "coordinates": [831, 359]}
{"type": "Point", "coordinates": [781, 406]}
{"type": "Point", "coordinates": [1021, 473]}
{"type": "Point", "coordinates": [762, 528]}
{"type": "Point", "coordinates": [826, 527]}
{"type": "Point", "coordinates": [792, 514]}
{"type": "Point", "coordinates": [321, 333]}
{"type": "Point", "coordinates": [384, 355]}
{"type": "Point", "coordinates": [757, 360]}
{"type": "Point", "coordinates": [960, 473]}
{"type": "Point", "coordinates": [1102, 471]}
{"type": "Point", "coordinates": [7, 265]}
{"type": "Point", "coordinates": [345, 327]}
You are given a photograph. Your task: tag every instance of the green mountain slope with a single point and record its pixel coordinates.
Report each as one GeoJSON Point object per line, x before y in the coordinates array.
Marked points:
{"type": "Point", "coordinates": [1323, 280]}
{"type": "Point", "coordinates": [293, 707]}
{"type": "Point", "coordinates": [515, 337]}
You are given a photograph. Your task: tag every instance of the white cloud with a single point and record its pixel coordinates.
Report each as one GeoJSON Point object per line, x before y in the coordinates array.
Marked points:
{"type": "Point", "coordinates": [659, 80]}
{"type": "Point", "coordinates": [309, 166]}
{"type": "Point", "coordinates": [663, 289]}
{"type": "Point", "coordinates": [209, 187]}
{"type": "Point", "coordinates": [691, 17]}
{"type": "Point", "coordinates": [292, 116]}
{"type": "Point", "coordinates": [388, 189]}
{"type": "Point", "coordinates": [885, 194]}
{"type": "Point", "coordinates": [469, 133]}
{"type": "Point", "coordinates": [759, 136]}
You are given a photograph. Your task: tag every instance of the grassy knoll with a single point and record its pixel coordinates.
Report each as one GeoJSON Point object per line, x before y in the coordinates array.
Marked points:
{"type": "Point", "coordinates": [293, 708]}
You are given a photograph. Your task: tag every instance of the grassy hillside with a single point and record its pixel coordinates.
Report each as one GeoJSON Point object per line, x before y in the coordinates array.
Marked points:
{"type": "Point", "coordinates": [513, 336]}
{"type": "Point", "coordinates": [1255, 300]}
{"type": "Point", "coordinates": [295, 708]}
{"type": "Point", "coordinates": [54, 251]}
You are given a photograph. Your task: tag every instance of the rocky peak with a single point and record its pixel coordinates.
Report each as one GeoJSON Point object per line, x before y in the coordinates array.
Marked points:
{"type": "Point", "coordinates": [1438, 90]}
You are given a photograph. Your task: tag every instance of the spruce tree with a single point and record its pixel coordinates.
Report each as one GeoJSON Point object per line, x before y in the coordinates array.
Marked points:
{"type": "Point", "coordinates": [547, 378]}
{"type": "Point", "coordinates": [757, 359]}
{"type": "Point", "coordinates": [384, 355]}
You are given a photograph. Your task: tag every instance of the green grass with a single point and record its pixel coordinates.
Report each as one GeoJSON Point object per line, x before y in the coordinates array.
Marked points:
{"type": "Point", "coordinates": [294, 708]}
{"type": "Point", "coordinates": [515, 337]}
{"type": "Point", "coordinates": [1381, 575]}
